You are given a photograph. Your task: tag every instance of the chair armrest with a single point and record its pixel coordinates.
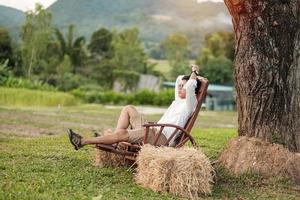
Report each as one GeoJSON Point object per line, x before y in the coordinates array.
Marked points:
{"type": "Point", "coordinates": [182, 140]}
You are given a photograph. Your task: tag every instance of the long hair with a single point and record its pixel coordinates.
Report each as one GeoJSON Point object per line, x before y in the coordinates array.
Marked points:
{"type": "Point", "coordinates": [187, 77]}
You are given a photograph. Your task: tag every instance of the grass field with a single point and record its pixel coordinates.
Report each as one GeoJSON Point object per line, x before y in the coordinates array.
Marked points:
{"type": "Point", "coordinates": [38, 162]}
{"type": "Point", "coordinates": [164, 67]}
{"type": "Point", "coordinates": [24, 97]}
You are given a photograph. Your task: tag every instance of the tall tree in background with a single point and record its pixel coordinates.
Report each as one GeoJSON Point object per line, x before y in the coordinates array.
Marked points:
{"type": "Point", "coordinates": [99, 65]}
{"type": "Point", "coordinates": [6, 52]}
{"type": "Point", "coordinates": [36, 35]}
{"type": "Point", "coordinates": [228, 44]}
{"type": "Point", "coordinates": [216, 58]}
{"type": "Point", "coordinates": [72, 47]}
{"type": "Point", "coordinates": [128, 51]}
{"type": "Point", "coordinates": [176, 50]}
{"type": "Point", "coordinates": [129, 58]}
{"type": "Point", "coordinates": [101, 43]}
{"type": "Point", "coordinates": [267, 69]}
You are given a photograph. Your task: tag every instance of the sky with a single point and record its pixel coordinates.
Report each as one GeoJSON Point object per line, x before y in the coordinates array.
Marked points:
{"type": "Point", "coordinates": [30, 4]}
{"type": "Point", "coordinates": [25, 4]}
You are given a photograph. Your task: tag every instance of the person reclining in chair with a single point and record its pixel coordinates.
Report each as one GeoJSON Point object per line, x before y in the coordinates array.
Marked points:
{"type": "Point", "coordinates": [178, 113]}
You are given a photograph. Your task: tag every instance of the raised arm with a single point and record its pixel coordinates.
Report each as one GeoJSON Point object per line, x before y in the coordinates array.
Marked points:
{"type": "Point", "coordinates": [190, 86]}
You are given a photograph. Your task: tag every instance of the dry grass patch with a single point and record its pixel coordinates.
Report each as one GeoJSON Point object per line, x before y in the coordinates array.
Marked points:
{"type": "Point", "coordinates": [244, 154]}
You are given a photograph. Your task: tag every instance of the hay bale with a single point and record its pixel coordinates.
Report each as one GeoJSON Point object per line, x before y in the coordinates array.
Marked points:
{"type": "Point", "coordinates": [185, 172]}
{"type": "Point", "coordinates": [106, 159]}
{"type": "Point", "coordinates": [244, 154]}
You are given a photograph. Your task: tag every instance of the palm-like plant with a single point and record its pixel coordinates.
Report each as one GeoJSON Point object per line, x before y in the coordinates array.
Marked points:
{"type": "Point", "coordinates": [73, 47]}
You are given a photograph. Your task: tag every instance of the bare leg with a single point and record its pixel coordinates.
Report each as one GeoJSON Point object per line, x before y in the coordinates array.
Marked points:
{"type": "Point", "coordinates": [121, 135]}
{"type": "Point", "coordinates": [124, 119]}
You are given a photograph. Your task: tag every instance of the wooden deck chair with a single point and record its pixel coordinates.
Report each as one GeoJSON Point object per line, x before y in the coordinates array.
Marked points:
{"type": "Point", "coordinates": [182, 135]}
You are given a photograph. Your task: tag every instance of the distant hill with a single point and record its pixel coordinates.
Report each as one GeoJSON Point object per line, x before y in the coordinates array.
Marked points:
{"type": "Point", "coordinates": [12, 19]}
{"type": "Point", "coordinates": [155, 19]}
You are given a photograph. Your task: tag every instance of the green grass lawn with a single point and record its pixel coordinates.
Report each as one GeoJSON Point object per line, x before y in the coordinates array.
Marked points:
{"type": "Point", "coordinates": [164, 67]}
{"type": "Point", "coordinates": [38, 162]}
{"type": "Point", "coordinates": [26, 97]}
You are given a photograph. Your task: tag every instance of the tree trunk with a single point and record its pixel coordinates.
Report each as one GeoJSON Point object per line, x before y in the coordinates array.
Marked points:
{"type": "Point", "coordinates": [267, 69]}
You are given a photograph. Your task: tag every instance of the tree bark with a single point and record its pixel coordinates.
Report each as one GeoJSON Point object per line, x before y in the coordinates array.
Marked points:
{"type": "Point", "coordinates": [267, 69]}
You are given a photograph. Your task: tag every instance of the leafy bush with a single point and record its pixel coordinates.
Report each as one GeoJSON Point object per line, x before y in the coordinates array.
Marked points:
{"type": "Point", "coordinates": [8, 80]}
{"type": "Point", "coordinates": [13, 82]}
{"type": "Point", "coordinates": [78, 93]}
{"type": "Point", "coordinates": [128, 79]}
{"type": "Point", "coordinates": [69, 82]}
{"type": "Point", "coordinates": [105, 97]}
{"type": "Point", "coordinates": [143, 97]}
{"type": "Point", "coordinates": [90, 87]}
{"type": "Point", "coordinates": [4, 72]}
{"type": "Point", "coordinates": [164, 98]}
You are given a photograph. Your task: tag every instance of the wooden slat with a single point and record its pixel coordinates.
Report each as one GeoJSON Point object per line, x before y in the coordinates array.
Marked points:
{"type": "Point", "coordinates": [170, 138]}
{"type": "Point", "coordinates": [158, 135]}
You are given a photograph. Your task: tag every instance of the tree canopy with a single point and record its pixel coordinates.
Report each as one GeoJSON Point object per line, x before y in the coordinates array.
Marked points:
{"type": "Point", "coordinates": [176, 50]}
{"type": "Point", "coordinates": [6, 51]}
{"type": "Point", "coordinates": [216, 58]}
{"type": "Point", "coordinates": [36, 36]}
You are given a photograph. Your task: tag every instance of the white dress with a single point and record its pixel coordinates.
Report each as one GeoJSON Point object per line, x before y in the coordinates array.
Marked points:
{"type": "Point", "coordinates": [180, 110]}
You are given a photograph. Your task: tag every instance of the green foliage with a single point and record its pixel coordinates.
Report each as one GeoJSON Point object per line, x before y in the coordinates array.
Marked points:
{"type": "Point", "coordinates": [101, 43]}
{"type": "Point", "coordinates": [96, 96]}
{"type": "Point", "coordinates": [214, 43]}
{"type": "Point", "coordinates": [64, 67]}
{"type": "Point", "coordinates": [220, 44]}
{"type": "Point", "coordinates": [70, 46]}
{"type": "Point", "coordinates": [228, 44]}
{"type": "Point", "coordinates": [5, 72]}
{"type": "Point", "coordinates": [36, 35]}
{"type": "Point", "coordinates": [127, 79]}
{"type": "Point", "coordinates": [164, 98]}
{"type": "Point", "coordinates": [117, 56]}
{"type": "Point", "coordinates": [216, 58]}
{"type": "Point", "coordinates": [176, 50]}
{"type": "Point", "coordinates": [13, 82]}
{"type": "Point", "coordinates": [154, 27]}
{"type": "Point", "coordinates": [218, 70]}
{"type": "Point", "coordinates": [157, 52]}
{"type": "Point", "coordinates": [99, 66]}
{"type": "Point", "coordinates": [111, 97]}
{"type": "Point", "coordinates": [6, 51]}
{"type": "Point", "coordinates": [25, 97]}
{"type": "Point", "coordinates": [90, 87]}
{"type": "Point", "coordinates": [142, 97]}
{"type": "Point", "coordinates": [101, 72]}
{"type": "Point", "coordinates": [128, 51]}
{"type": "Point", "coordinates": [8, 80]}
{"type": "Point", "coordinates": [68, 82]}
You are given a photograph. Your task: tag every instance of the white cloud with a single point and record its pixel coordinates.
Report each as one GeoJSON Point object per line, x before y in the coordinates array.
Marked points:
{"type": "Point", "coordinates": [26, 4]}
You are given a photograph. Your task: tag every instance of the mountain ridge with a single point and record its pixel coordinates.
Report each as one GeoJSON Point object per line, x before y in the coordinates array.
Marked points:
{"type": "Point", "coordinates": [155, 20]}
